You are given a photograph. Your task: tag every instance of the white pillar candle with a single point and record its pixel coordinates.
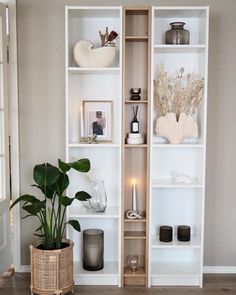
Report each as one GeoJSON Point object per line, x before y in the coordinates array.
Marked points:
{"type": "Point", "coordinates": [92, 254]}
{"type": "Point", "coordinates": [82, 122]}
{"type": "Point", "coordinates": [134, 197]}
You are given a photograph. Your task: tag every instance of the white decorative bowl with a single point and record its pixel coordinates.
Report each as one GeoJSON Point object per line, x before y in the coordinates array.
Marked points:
{"type": "Point", "coordinates": [87, 56]}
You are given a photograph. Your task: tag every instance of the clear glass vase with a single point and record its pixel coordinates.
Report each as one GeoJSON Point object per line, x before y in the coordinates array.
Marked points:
{"type": "Point", "coordinates": [98, 201]}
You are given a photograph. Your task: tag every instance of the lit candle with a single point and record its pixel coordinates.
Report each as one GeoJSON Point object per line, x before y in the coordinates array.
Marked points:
{"type": "Point", "coordinates": [134, 198]}
{"type": "Point", "coordinates": [82, 122]}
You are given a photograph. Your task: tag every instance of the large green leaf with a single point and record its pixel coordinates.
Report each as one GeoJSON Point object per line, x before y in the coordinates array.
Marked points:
{"type": "Point", "coordinates": [82, 196]}
{"type": "Point", "coordinates": [45, 174]}
{"type": "Point", "coordinates": [75, 224]}
{"type": "Point", "coordinates": [62, 183]}
{"type": "Point", "coordinates": [66, 201]}
{"type": "Point", "coordinates": [82, 165]}
{"type": "Point", "coordinates": [48, 190]}
{"type": "Point", "coordinates": [26, 199]}
{"type": "Point", "coordinates": [34, 208]}
{"type": "Point", "coordinates": [63, 166]}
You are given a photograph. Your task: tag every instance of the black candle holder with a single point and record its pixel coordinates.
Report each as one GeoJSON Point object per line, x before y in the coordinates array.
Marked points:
{"type": "Point", "coordinates": [93, 249]}
{"type": "Point", "coordinates": [184, 233]}
{"type": "Point", "coordinates": [135, 93]}
{"type": "Point", "coordinates": [166, 233]}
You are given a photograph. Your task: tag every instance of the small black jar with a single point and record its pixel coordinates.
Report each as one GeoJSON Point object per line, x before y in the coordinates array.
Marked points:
{"type": "Point", "coordinates": [166, 233]}
{"type": "Point", "coordinates": [184, 233]}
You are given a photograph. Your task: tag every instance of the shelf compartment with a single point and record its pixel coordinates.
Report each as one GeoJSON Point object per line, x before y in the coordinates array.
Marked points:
{"type": "Point", "coordinates": [107, 276]}
{"type": "Point", "coordinates": [81, 212]}
{"type": "Point", "coordinates": [136, 22]}
{"type": "Point", "coordinates": [195, 243]}
{"type": "Point", "coordinates": [194, 17]}
{"type": "Point", "coordinates": [134, 235]}
{"type": "Point", "coordinates": [137, 278]}
{"type": "Point", "coordinates": [175, 274]}
{"type": "Point", "coordinates": [170, 183]}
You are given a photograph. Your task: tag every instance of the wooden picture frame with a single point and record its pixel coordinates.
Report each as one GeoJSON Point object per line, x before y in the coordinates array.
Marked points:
{"type": "Point", "coordinates": [97, 119]}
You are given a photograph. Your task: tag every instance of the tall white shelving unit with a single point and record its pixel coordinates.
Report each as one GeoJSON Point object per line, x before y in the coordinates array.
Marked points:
{"type": "Point", "coordinates": [170, 203]}
{"type": "Point", "coordinates": [84, 23]}
{"type": "Point", "coordinates": [178, 263]}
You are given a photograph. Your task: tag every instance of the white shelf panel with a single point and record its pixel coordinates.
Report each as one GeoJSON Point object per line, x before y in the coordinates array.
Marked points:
{"type": "Point", "coordinates": [169, 183]}
{"type": "Point", "coordinates": [166, 48]}
{"type": "Point", "coordinates": [106, 276]}
{"type": "Point", "coordinates": [88, 70]}
{"type": "Point", "coordinates": [195, 243]}
{"type": "Point", "coordinates": [181, 145]}
{"type": "Point", "coordinates": [81, 212]}
{"type": "Point", "coordinates": [174, 268]}
{"type": "Point", "coordinates": [93, 145]}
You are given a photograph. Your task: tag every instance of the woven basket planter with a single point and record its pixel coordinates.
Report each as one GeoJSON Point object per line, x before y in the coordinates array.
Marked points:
{"type": "Point", "coordinates": [51, 270]}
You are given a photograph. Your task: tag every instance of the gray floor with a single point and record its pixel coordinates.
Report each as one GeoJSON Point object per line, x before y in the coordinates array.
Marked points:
{"type": "Point", "coordinates": [213, 285]}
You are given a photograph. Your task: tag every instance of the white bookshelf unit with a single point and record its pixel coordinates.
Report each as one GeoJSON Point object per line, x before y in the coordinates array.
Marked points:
{"type": "Point", "coordinates": [86, 83]}
{"type": "Point", "coordinates": [140, 49]}
{"type": "Point", "coordinates": [178, 263]}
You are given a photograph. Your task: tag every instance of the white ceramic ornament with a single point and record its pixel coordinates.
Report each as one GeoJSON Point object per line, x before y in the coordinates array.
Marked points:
{"type": "Point", "coordinates": [168, 127]}
{"type": "Point", "coordinates": [87, 56]}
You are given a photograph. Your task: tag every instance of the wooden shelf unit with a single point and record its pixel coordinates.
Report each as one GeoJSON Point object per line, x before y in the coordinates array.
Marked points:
{"type": "Point", "coordinates": [135, 158]}
{"type": "Point", "coordinates": [140, 49]}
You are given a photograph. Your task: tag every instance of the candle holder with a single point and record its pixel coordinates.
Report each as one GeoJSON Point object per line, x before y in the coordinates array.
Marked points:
{"type": "Point", "coordinates": [134, 213]}
{"type": "Point", "coordinates": [184, 233]}
{"type": "Point", "coordinates": [93, 249]}
{"type": "Point", "coordinates": [135, 93]}
{"type": "Point", "coordinates": [132, 262]}
{"type": "Point", "coordinates": [166, 233]}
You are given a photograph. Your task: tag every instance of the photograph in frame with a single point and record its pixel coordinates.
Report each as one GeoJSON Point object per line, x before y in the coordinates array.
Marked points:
{"type": "Point", "coordinates": [97, 119]}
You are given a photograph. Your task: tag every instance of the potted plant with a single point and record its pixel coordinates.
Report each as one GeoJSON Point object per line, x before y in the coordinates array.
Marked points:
{"type": "Point", "coordinates": [52, 254]}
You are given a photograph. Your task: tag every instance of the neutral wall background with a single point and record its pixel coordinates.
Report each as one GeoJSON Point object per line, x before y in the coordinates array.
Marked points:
{"type": "Point", "coordinates": [41, 103]}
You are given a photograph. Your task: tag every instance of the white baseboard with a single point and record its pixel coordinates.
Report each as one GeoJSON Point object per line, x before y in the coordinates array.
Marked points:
{"type": "Point", "coordinates": [219, 269]}
{"type": "Point", "coordinates": [206, 269]}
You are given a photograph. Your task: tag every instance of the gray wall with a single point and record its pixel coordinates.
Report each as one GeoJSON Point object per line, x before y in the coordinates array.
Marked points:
{"type": "Point", "coordinates": [41, 100]}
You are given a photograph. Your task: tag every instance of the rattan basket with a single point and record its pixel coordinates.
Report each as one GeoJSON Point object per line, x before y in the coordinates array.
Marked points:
{"type": "Point", "coordinates": [51, 270]}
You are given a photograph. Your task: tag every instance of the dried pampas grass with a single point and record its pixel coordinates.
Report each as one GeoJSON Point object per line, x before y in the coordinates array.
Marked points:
{"type": "Point", "coordinates": [177, 94]}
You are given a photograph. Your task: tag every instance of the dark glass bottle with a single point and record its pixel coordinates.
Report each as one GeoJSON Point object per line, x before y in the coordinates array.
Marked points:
{"type": "Point", "coordinates": [135, 122]}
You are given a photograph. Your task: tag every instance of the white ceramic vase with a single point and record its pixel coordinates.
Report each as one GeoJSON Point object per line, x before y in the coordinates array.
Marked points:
{"type": "Point", "coordinates": [175, 131]}
{"type": "Point", "coordinates": [87, 56]}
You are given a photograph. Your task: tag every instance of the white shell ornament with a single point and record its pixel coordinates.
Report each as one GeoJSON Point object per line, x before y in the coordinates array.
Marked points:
{"type": "Point", "coordinates": [87, 56]}
{"type": "Point", "coordinates": [175, 131]}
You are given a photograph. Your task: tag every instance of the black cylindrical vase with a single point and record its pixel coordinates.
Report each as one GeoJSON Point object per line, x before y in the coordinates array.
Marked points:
{"type": "Point", "coordinates": [93, 249]}
{"type": "Point", "coordinates": [165, 233]}
{"type": "Point", "coordinates": [184, 233]}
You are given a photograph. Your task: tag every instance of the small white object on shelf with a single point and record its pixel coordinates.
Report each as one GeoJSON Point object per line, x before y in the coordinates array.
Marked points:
{"type": "Point", "coordinates": [135, 138]}
{"type": "Point", "coordinates": [87, 56]}
{"type": "Point", "coordinates": [182, 178]}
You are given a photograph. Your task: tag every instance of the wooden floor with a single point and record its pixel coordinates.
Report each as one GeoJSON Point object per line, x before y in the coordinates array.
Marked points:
{"type": "Point", "coordinates": [213, 285]}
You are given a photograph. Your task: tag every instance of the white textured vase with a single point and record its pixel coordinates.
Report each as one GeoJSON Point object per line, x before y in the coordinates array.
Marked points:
{"type": "Point", "coordinates": [175, 131]}
{"type": "Point", "coordinates": [87, 56]}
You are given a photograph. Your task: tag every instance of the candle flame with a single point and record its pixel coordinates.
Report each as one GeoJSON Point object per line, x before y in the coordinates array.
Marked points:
{"type": "Point", "coordinates": [133, 181]}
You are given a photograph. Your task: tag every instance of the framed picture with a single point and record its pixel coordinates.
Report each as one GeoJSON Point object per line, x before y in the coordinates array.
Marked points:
{"type": "Point", "coordinates": [98, 119]}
